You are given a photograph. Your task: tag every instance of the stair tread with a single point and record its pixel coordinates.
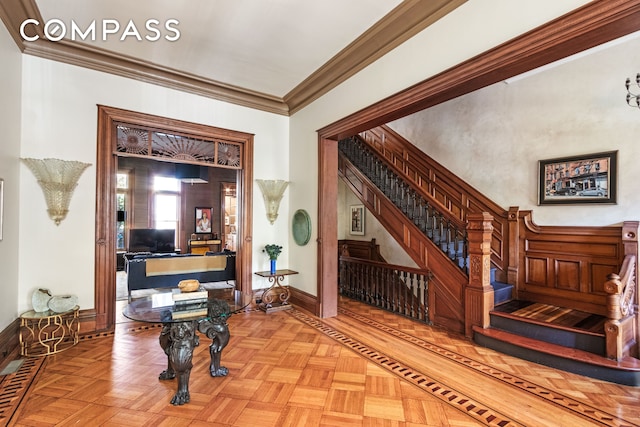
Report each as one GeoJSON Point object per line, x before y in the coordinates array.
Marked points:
{"type": "Point", "coordinates": [546, 324]}
{"type": "Point", "coordinates": [626, 364]}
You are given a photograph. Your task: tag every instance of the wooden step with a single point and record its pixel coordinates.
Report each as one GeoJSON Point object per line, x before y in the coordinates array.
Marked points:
{"type": "Point", "coordinates": [566, 336]}
{"type": "Point", "coordinates": [626, 371]}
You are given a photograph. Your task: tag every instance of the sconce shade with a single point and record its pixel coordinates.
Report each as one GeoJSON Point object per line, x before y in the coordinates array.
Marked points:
{"type": "Point", "coordinates": [272, 191]}
{"type": "Point", "coordinates": [58, 179]}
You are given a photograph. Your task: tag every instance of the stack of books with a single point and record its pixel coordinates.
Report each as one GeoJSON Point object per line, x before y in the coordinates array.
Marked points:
{"type": "Point", "coordinates": [189, 304]}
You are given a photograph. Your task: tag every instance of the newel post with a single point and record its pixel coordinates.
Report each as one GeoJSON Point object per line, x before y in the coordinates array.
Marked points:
{"type": "Point", "coordinates": [478, 296]}
{"type": "Point", "coordinates": [614, 338]}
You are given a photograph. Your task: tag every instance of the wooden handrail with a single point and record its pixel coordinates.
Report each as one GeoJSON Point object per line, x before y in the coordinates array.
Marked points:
{"type": "Point", "coordinates": [453, 195]}
{"type": "Point", "coordinates": [400, 289]}
{"type": "Point", "coordinates": [385, 265]}
{"type": "Point", "coordinates": [621, 290]}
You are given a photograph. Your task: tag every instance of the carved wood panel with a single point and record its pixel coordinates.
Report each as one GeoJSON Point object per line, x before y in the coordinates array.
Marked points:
{"type": "Point", "coordinates": [568, 266]}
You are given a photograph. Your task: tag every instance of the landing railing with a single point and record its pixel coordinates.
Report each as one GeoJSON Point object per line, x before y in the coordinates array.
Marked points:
{"type": "Point", "coordinates": [399, 289]}
{"type": "Point", "coordinates": [446, 233]}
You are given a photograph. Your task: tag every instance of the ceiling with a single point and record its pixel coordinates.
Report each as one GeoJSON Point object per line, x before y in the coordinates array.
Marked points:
{"type": "Point", "coordinates": [274, 55]}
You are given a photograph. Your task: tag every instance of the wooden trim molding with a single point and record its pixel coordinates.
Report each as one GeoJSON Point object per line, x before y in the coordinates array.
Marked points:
{"type": "Point", "coordinates": [405, 21]}
{"type": "Point", "coordinates": [303, 300]}
{"type": "Point", "coordinates": [591, 25]}
{"type": "Point", "coordinates": [327, 266]}
{"type": "Point", "coordinates": [106, 168]}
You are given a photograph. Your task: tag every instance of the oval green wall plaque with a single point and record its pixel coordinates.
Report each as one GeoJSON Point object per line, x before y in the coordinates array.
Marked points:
{"type": "Point", "coordinates": [301, 227]}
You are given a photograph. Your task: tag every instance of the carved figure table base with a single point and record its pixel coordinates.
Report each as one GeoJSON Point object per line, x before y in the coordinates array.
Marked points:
{"type": "Point", "coordinates": [178, 339]}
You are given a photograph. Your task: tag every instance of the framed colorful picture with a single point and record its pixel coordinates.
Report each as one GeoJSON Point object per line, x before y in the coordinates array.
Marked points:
{"type": "Point", "coordinates": [203, 220]}
{"type": "Point", "coordinates": [589, 178]}
{"type": "Point", "coordinates": [357, 220]}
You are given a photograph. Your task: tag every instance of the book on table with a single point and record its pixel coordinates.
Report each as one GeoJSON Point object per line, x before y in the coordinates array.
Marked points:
{"type": "Point", "coordinates": [184, 314]}
{"type": "Point", "coordinates": [190, 304]}
{"type": "Point", "coordinates": [184, 296]}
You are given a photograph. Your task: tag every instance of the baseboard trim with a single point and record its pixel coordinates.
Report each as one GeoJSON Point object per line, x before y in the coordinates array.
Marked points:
{"type": "Point", "coordinates": [9, 342]}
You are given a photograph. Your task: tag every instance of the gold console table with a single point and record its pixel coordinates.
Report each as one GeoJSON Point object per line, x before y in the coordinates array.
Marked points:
{"type": "Point", "coordinates": [44, 333]}
{"type": "Point", "coordinates": [275, 298]}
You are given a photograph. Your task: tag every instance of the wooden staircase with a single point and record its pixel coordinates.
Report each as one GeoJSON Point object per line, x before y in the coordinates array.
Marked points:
{"type": "Point", "coordinates": [570, 340]}
{"type": "Point", "coordinates": [540, 264]}
{"type": "Point", "coordinates": [502, 292]}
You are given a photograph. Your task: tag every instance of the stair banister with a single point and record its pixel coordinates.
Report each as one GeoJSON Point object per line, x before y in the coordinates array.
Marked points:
{"type": "Point", "coordinates": [620, 331]}
{"type": "Point", "coordinates": [479, 292]}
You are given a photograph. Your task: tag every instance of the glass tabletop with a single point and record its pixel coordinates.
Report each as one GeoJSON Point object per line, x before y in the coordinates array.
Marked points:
{"type": "Point", "coordinates": [146, 309]}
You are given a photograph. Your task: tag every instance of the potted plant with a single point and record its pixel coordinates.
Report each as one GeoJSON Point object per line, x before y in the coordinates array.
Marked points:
{"type": "Point", "coordinates": [273, 251]}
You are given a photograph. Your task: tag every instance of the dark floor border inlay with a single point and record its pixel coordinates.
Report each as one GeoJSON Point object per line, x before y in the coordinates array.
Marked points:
{"type": "Point", "coordinates": [549, 395]}
{"type": "Point", "coordinates": [448, 395]}
{"type": "Point", "coordinates": [14, 387]}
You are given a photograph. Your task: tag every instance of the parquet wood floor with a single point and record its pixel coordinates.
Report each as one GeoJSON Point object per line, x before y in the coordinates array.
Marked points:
{"type": "Point", "coordinates": [364, 367]}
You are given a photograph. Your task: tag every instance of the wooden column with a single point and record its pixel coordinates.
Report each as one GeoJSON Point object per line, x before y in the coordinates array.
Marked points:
{"type": "Point", "coordinates": [478, 296]}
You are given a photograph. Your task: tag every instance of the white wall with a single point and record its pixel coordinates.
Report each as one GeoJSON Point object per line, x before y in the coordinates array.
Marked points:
{"type": "Point", "coordinates": [390, 249]}
{"type": "Point", "coordinates": [456, 37]}
{"type": "Point", "coordinates": [11, 61]}
{"type": "Point", "coordinates": [60, 120]}
{"type": "Point", "coordinates": [494, 137]}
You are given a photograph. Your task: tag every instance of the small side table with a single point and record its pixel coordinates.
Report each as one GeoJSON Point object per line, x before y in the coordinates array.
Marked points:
{"type": "Point", "coordinates": [44, 333]}
{"type": "Point", "coordinates": [276, 290]}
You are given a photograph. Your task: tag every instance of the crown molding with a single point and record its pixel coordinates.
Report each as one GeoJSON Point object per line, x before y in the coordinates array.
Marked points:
{"type": "Point", "coordinates": [406, 20]}
{"type": "Point", "coordinates": [13, 13]}
{"type": "Point", "coordinates": [85, 56]}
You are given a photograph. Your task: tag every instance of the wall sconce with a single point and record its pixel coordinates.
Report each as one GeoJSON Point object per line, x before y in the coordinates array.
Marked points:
{"type": "Point", "coordinates": [272, 191]}
{"type": "Point", "coordinates": [58, 179]}
{"type": "Point", "coordinates": [632, 99]}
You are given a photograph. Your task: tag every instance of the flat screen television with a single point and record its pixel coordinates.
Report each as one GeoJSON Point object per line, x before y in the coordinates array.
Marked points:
{"type": "Point", "coordinates": [151, 240]}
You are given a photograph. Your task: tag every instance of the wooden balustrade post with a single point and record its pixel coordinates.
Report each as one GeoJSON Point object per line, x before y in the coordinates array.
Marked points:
{"type": "Point", "coordinates": [622, 327]}
{"type": "Point", "coordinates": [478, 296]}
{"type": "Point", "coordinates": [513, 219]}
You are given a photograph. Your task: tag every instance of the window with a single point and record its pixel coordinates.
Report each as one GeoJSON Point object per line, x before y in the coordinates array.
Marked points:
{"type": "Point", "coordinates": [166, 203]}
{"type": "Point", "coordinates": [122, 202]}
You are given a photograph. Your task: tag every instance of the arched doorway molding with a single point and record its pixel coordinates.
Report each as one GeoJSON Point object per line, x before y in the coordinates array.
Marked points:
{"type": "Point", "coordinates": [596, 23]}
{"type": "Point", "coordinates": [106, 168]}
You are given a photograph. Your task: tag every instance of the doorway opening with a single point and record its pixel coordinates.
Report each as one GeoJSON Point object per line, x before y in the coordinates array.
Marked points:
{"type": "Point", "coordinates": [220, 149]}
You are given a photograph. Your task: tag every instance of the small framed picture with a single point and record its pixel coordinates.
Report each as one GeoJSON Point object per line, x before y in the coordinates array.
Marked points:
{"type": "Point", "coordinates": [357, 220]}
{"type": "Point", "coordinates": [588, 178]}
{"type": "Point", "coordinates": [203, 220]}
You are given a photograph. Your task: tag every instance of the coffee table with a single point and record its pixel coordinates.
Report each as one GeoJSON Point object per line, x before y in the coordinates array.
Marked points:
{"type": "Point", "coordinates": [178, 336]}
